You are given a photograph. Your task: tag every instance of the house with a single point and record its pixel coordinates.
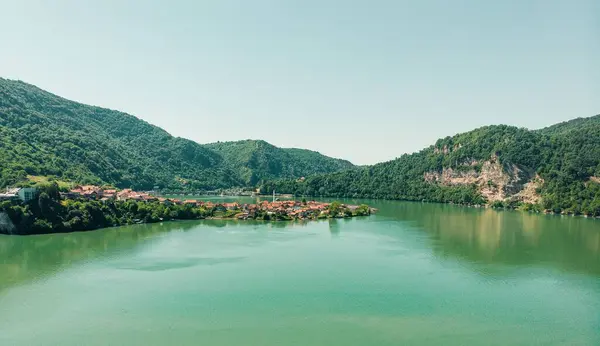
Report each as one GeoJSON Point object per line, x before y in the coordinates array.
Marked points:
{"type": "Point", "coordinates": [87, 191]}
{"type": "Point", "coordinates": [231, 206]}
{"type": "Point", "coordinates": [124, 194]}
{"type": "Point", "coordinates": [148, 198]}
{"type": "Point", "coordinates": [10, 194]}
{"type": "Point", "coordinates": [109, 193]}
{"type": "Point", "coordinates": [220, 207]}
{"type": "Point", "coordinates": [90, 194]}
{"type": "Point", "coordinates": [69, 195]}
{"type": "Point", "coordinates": [25, 194]}
{"type": "Point", "coordinates": [135, 197]}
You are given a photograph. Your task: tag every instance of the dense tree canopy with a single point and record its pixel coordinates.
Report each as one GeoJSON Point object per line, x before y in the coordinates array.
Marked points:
{"type": "Point", "coordinates": [42, 134]}
{"type": "Point", "coordinates": [256, 160]}
{"type": "Point", "coordinates": [45, 135]}
{"type": "Point", "coordinates": [566, 156]}
{"type": "Point", "coordinates": [49, 214]}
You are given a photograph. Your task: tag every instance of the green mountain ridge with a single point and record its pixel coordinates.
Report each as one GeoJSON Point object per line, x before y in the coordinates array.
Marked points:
{"type": "Point", "coordinates": [257, 160]}
{"type": "Point", "coordinates": [574, 124]}
{"type": "Point", "coordinates": [44, 134]}
{"type": "Point", "coordinates": [556, 168]}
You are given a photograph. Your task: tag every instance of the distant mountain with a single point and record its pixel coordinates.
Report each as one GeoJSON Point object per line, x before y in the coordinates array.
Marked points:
{"type": "Point", "coordinates": [257, 160]}
{"type": "Point", "coordinates": [42, 134]}
{"type": "Point", "coordinates": [556, 168]}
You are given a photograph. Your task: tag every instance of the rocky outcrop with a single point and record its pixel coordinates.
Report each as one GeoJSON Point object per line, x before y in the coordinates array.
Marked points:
{"type": "Point", "coordinates": [496, 182]}
{"type": "Point", "coordinates": [446, 149]}
{"type": "Point", "coordinates": [529, 193]}
{"type": "Point", "coordinates": [595, 179]}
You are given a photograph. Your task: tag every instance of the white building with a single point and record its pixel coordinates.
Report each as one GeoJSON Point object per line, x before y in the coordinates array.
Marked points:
{"type": "Point", "coordinates": [10, 193]}
{"type": "Point", "coordinates": [25, 194]}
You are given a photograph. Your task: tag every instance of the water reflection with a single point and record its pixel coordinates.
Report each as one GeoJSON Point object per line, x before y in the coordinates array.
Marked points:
{"type": "Point", "coordinates": [33, 257]}
{"type": "Point", "coordinates": [504, 237]}
{"type": "Point", "coordinates": [334, 227]}
{"type": "Point", "coordinates": [27, 258]}
{"type": "Point", "coordinates": [472, 235]}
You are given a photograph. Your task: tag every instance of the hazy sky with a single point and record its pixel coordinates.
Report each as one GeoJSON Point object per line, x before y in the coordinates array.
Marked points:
{"type": "Point", "coordinates": [362, 80]}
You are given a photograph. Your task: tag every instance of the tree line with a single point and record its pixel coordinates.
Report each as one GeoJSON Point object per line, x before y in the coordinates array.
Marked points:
{"type": "Point", "coordinates": [566, 157]}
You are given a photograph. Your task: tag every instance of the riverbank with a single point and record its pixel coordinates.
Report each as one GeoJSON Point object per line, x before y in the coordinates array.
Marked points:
{"type": "Point", "coordinates": [496, 205]}
{"type": "Point", "coordinates": [62, 215]}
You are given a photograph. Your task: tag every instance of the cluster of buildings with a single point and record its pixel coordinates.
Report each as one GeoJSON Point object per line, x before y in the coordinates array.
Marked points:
{"type": "Point", "coordinates": [96, 192]}
{"type": "Point", "coordinates": [291, 209]}
{"type": "Point", "coordinates": [286, 210]}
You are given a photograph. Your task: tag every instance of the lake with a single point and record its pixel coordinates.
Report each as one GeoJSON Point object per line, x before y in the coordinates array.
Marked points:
{"type": "Point", "coordinates": [413, 274]}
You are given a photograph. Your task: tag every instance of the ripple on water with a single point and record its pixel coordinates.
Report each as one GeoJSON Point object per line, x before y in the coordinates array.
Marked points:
{"type": "Point", "coordinates": [154, 265]}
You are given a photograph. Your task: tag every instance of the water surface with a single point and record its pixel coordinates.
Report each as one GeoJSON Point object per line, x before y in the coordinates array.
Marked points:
{"type": "Point", "coordinates": [414, 274]}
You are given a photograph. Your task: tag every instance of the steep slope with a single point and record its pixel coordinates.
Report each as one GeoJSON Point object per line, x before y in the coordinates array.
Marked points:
{"type": "Point", "coordinates": [42, 134]}
{"type": "Point", "coordinates": [256, 160]}
{"type": "Point", "coordinates": [500, 165]}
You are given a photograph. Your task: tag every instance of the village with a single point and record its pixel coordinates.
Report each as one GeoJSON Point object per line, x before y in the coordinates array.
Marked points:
{"type": "Point", "coordinates": [275, 209]}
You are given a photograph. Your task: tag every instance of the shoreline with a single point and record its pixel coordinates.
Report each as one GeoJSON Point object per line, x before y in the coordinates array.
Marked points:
{"type": "Point", "coordinates": [178, 220]}
{"type": "Point", "coordinates": [209, 210]}
{"type": "Point", "coordinates": [53, 216]}
{"type": "Point", "coordinates": [217, 218]}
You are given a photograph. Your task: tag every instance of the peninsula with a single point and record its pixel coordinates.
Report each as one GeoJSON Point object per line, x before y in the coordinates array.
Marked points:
{"type": "Point", "coordinates": [89, 207]}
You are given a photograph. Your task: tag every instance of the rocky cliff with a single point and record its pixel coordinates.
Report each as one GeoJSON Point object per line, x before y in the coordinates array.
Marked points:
{"type": "Point", "coordinates": [495, 181]}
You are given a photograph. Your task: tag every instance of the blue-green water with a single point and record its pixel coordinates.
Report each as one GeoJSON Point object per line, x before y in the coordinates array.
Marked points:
{"type": "Point", "coordinates": [414, 274]}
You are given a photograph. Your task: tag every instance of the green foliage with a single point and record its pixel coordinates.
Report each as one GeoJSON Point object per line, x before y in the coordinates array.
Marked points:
{"type": "Point", "coordinates": [47, 215]}
{"type": "Point", "coordinates": [566, 159]}
{"type": "Point", "coordinates": [43, 135]}
{"type": "Point", "coordinates": [575, 124]}
{"type": "Point", "coordinates": [335, 208]}
{"type": "Point", "coordinates": [362, 210]}
{"type": "Point", "coordinates": [256, 160]}
{"type": "Point", "coordinates": [58, 141]}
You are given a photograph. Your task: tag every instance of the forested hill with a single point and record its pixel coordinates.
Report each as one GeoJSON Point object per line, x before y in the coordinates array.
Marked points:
{"type": "Point", "coordinates": [575, 124]}
{"type": "Point", "coordinates": [257, 160]}
{"type": "Point", "coordinates": [556, 168]}
{"type": "Point", "coordinates": [42, 134]}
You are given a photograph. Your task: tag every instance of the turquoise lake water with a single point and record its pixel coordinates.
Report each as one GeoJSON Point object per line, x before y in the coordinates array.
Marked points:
{"type": "Point", "coordinates": [413, 274]}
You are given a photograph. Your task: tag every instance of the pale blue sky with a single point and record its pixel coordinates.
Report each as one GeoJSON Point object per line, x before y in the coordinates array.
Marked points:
{"type": "Point", "coordinates": [362, 80]}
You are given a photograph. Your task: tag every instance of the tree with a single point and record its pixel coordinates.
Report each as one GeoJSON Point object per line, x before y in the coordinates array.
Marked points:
{"type": "Point", "coordinates": [335, 208]}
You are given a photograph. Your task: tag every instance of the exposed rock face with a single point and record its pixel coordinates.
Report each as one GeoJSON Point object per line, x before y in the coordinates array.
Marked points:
{"type": "Point", "coordinates": [447, 150]}
{"type": "Point", "coordinates": [495, 181]}
{"type": "Point", "coordinates": [595, 179]}
{"type": "Point", "coordinates": [530, 194]}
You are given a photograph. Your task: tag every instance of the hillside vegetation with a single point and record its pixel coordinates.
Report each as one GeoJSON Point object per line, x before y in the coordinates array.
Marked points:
{"type": "Point", "coordinates": [42, 134]}
{"type": "Point", "coordinates": [556, 168]}
{"type": "Point", "coordinates": [44, 137]}
{"type": "Point", "coordinates": [256, 160]}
